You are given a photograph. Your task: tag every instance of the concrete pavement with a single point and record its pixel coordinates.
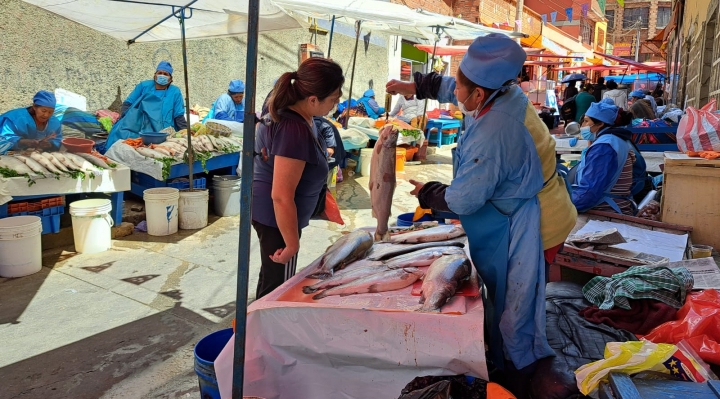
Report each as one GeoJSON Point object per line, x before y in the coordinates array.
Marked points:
{"type": "Point", "coordinates": [123, 323]}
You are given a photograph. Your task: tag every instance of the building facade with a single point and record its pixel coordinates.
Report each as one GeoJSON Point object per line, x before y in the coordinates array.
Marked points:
{"type": "Point", "coordinates": [624, 22]}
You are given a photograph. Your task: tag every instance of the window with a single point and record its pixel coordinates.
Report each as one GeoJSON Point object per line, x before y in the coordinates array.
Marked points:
{"type": "Point", "coordinates": [632, 15]}
{"type": "Point", "coordinates": [586, 31]}
{"type": "Point", "coordinates": [663, 16]}
{"type": "Point", "coordinates": [610, 15]}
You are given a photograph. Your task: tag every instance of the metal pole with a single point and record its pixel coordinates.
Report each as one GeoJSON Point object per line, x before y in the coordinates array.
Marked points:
{"type": "Point", "coordinates": [519, 16]}
{"type": "Point", "coordinates": [246, 200]}
{"type": "Point", "coordinates": [352, 74]}
{"type": "Point", "coordinates": [332, 30]}
{"type": "Point", "coordinates": [190, 152]}
{"type": "Point", "coordinates": [637, 42]}
{"type": "Point", "coordinates": [423, 120]}
{"type": "Point", "coordinates": [131, 41]}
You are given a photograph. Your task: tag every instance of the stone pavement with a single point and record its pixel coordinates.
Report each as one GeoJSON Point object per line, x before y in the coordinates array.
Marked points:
{"type": "Point", "coordinates": [123, 323]}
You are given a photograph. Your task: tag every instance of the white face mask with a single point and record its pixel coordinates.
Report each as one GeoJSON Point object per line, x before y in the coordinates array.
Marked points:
{"type": "Point", "coordinates": [463, 109]}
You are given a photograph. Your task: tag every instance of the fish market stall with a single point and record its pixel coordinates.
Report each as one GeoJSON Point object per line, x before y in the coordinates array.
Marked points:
{"type": "Point", "coordinates": [39, 175]}
{"type": "Point", "coordinates": [313, 338]}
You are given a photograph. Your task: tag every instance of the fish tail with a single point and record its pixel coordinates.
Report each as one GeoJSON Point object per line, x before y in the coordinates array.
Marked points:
{"type": "Point", "coordinates": [309, 289]}
{"type": "Point", "coordinates": [320, 295]}
{"type": "Point", "coordinates": [383, 237]}
{"type": "Point", "coordinates": [428, 310]}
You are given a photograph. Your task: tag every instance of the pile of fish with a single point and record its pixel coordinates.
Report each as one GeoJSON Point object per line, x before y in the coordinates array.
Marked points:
{"type": "Point", "coordinates": [356, 265]}
{"type": "Point", "coordinates": [54, 164]}
{"type": "Point", "coordinates": [176, 146]}
{"type": "Point", "coordinates": [382, 179]}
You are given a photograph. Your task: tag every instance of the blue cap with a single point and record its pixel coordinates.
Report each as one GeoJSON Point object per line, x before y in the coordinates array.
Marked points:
{"type": "Point", "coordinates": [236, 86]}
{"type": "Point", "coordinates": [605, 111]}
{"type": "Point", "coordinates": [44, 99]}
{"type": "Point", "coordinates": [493, 60]}
{"type": "Point", "coordinates": [638, 94]}
{"type": "Point", "coordinates": [165, 66]}
{"type": "Point", "coordinates": [369, 93]}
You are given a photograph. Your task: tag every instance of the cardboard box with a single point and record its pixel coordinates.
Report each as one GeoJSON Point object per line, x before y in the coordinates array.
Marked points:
{"type": "Point", "coordinates": [691, 196]}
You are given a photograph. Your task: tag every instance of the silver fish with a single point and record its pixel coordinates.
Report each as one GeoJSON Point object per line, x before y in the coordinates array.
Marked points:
{"type": "Point", "coordinates": [423, 257]}
{"type": "Point", "coordinates": [33, 164]}
{"type": "Point", "coordinates": [382, 179]}
{"type": "Point", "coordinates": [94, 160]}
{"type": "Point", "coordinates": [382, 250]}
{"type": "Point", "coordinates": [345, 276]}
{"type": "Point", "coordinates": [347, 249]}
{"type": "Point", "coordinates": [390, 280]}
{"type": "Point", "coordinates": [442, 280]}
{"type": "Point", "coordinates": [440, 233]}
{"type": "Point", "coordinates": [322, 275]}
{"type": "Point", "coordinates": [17, 165]}
{"type": "Point", "coordinates": [55, 161]}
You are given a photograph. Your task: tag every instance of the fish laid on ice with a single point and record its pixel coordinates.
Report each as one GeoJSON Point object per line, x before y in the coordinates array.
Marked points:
{"type": "Point", "coordinates": [382, 250]}
{"type": "Point", "coordinates": [17, 165]}
{"type": "Point", "coordinates": [150, 153]}
{"type": "Point", "coordinates": [442, 280]}
{"type": "Point", "coordinates": [45, 163]}
{"type": "Point", "coordinates": [382, 179]}
{"type": "Point", "coordinates": [423, 257]}
{"type": "Point", "coordinates": [347, 249]}
{"type": "Point", "coordinates": [34, 165]}
{"type": "Point", "coordinates": [345, 276]}
{"type": "Point", "coordinates": [56, 162]}
{"type": "Point", "coordinates": [440, 233]}
{"type": "Point", "coordinates": [390, 280]}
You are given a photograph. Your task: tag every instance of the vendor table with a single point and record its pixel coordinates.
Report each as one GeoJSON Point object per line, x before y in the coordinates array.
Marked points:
{"type": "Point", "coordinates": [655, 131]}
{"type": "Point", "coordinates": [361, 346]}
{"type": "Point", "coordinates": [440, 125]}
{"type": "Point", "coordinates": [114, 181]}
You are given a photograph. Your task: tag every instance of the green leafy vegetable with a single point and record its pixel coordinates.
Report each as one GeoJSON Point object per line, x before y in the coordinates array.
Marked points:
{"type": "Point", "coordinates": [111, 164]}
{"type": "Point", "coordinates": [411, 133]}
{"type": "Point", "coordinates": [77, 174]}
{"type": "Point", "coordinates": [167, 164]}
{"type": "Point", "coordinates": [203, 157]}
{"type": "Point", "coordinates": [7, 172]}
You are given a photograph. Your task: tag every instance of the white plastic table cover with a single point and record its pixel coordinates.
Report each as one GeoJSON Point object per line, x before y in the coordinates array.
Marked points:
{"type": "Point", "coordinates": [110, 181]}
{"type": "Point", "coordinates": [365, 346]}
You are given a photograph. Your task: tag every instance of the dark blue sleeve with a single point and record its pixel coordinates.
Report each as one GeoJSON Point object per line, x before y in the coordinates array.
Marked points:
{"type": "Point", "coordinates": [180, 122]}
{"type": "Point", "coordinates": [600, 168]}
{"type": "Point", "coordinates": [327, 133]}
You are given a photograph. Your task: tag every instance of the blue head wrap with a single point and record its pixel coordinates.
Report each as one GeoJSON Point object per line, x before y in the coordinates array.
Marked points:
{"type": "Point", "coordinates": [44, 99]}
{"type": "Point", "coordinates": [236, 86]}
{"type": "Point", "coordinates": [493, 60]}
{"type": "Point", "coordinates": [605, 111]}
{"type": "Point", "coordinates": [165, 66]}
{"type": "Point", "coordinates": [637, 94]}
{"type": "Point", "coordinates": [369, 93]}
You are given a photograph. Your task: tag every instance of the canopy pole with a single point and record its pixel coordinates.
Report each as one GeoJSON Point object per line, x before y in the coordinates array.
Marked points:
{"type": "Point", "coordinates": [332, 30]}
{"type": "Point", "coordinates": [190, 152]}
{"type": "Point", "coordinates": [131, 41]}
{"type": "Point", "coordinates": [352, 74]}
{"type": "Point", "coordinates": [248, 152]}
{"type": "Point", "coordinates": [432, 62]}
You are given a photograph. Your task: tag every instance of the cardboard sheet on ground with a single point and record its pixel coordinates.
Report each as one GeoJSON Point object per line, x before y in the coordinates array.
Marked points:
{"type": "Point", "coordinates": [110, 181]}
{"type": "Point", "coordinates": [361, 346]}
{"type": "Point", "coordinates": [665, 245]}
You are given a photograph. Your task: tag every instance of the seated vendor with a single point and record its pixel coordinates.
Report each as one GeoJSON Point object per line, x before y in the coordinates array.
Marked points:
{"type": "Point", "coordinates": [31, 127]}
{"type": "Point", "coordinates": [231, 105]}
{"type": "Point", "coordinates": [411, 109]}
{"type": "Point", "coordinates": [612, 168]}
{"type": "Point", "coordinates": [372, 109]}
{"type": "Point", "coordinates": [152, 106]}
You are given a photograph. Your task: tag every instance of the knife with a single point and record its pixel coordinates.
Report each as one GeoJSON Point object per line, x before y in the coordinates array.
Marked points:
{"type": "Point", "coordinates": [388, 104]}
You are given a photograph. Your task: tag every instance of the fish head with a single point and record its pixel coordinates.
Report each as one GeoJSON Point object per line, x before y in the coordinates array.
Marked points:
{"type": "Point", "coordinates": [390, 136]}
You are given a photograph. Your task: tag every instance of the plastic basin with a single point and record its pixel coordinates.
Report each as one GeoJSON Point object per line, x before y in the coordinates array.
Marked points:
{"type": "Point", "coordinates": [74, 144]}
{"type": "Point", "coordinates": [153, 137]}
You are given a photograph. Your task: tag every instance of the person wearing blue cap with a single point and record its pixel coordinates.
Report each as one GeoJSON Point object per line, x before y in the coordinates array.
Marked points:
{"type": "Point", "coordinates": [152, 106]}
{"type": "Point", "coordinates": [504, 179]}
{"type": "Point", "coordinates": [612, 169]}
{"type": "Point", "coordinates": [33, 127]}
{"type": "Point", "coordinates": [231, 105]}
{"type": "Point", "coordinates": [372, 109]}
{"type": "Point", "coordinates": [640, 107]}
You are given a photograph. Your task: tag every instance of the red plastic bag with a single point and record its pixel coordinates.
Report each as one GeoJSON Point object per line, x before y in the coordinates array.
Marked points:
{"type": "Point", "coordinates": [698, 324]}
{"type": "Point", "coordinates": [699, 129]}
{"type": "Point", "coordinates": [331, 213]}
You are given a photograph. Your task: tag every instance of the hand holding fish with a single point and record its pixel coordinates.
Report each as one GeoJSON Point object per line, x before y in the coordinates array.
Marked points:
{"type": "Point", "coordinates": [418, 187]}
{"type": "Point", "coordinates": [283, 255]}
{"type": "Point", "coordinates": [397, 87]}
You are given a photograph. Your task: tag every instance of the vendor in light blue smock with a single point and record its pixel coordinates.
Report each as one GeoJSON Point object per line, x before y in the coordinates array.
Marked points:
{"type": "Point", "coordinates": [231, 105]}
{"type": "Point", "coordinates": [31, 127]}
{"type": "Point", "coordinates": [152, 106]}
{"type": "Point", "coordinates": [371, 106]}
{"type": "Point", "coordinates": [497, 178]}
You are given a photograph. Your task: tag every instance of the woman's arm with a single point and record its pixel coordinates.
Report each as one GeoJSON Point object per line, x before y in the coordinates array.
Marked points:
{"type": "Point", "coordinates": [600, 167]}
{"type": "Point", "coordinates": [286, 177]}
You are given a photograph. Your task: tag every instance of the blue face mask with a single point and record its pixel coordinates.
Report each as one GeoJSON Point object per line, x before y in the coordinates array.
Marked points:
{"type": "Point", "coordinates": [162, 80]}
{"type": "Point", "coordinates": [587, 134]}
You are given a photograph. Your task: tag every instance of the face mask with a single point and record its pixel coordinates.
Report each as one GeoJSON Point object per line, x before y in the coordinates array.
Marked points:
{"type": "Point", "coordinates": [463, 109]}
{"type": "Point", "coordinates": [587, 134]}
{"type": "Point", "coordinates": [162, 80]}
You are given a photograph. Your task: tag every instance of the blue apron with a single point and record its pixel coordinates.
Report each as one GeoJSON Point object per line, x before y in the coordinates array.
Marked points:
{"type": "Point", "coordinates": [143, 116]}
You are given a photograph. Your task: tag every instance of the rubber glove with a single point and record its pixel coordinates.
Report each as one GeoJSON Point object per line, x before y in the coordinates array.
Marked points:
{"type": "Point", "coordinates": [573, 141]}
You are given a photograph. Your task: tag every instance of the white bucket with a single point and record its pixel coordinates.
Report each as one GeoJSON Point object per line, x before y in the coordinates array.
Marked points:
{"type": "Point", "coordinates": [161, 210]}
{"type": "Point", "coordinates": [226, 195]}
{"type": "Point", "coordinates": [92, 224]}
{"type": "Point", "coordinates": [20, 246]}
{"type": "Point", "coordinates": [193, 209]}
{"type": "Point", "coordinates": [365, 161]}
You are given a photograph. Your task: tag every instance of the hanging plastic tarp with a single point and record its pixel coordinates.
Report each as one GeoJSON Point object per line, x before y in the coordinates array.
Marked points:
{"type": "Point", "coordinates": [443, 51]}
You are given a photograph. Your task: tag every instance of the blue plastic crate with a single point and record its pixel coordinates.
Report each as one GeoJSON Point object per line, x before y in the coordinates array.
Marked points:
{"type": "Point", "coordinates": [182, 185]}
{"type": "Point", "coordinates": [448, 138]}
{"type": "Point", "coordinates": [50, 218]}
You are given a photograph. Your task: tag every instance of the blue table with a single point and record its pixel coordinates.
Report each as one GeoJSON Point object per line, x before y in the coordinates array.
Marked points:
{"type": "Point", "coordinates": [656, 131]}
{"type": "Point", "coordinates": [349, 147]}
{"type": "Point", "coordinates": [440, 125]}
{"type": "Point", "coordinates": [222, 164]}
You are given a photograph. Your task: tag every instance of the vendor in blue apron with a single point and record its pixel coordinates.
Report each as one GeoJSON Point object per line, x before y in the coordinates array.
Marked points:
{"type": "Point", "coordinates": [31, 127]}
{"type": "Point", "coordinates": [372, 108]}
{"type": "Point", "coordinates": [612, 169]}
{"type": "Point", "coordinates": [151, 107]}
{"type": "Point", "coordinates": [231, 105]}
{"type": "Point", "coordinates": [497, 177]}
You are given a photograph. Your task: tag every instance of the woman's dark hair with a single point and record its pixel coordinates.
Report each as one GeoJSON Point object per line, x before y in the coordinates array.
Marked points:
{"type": "Point", "coordinates": [612, 85]}
{"type": "Point", "coordinates": [317, 77]}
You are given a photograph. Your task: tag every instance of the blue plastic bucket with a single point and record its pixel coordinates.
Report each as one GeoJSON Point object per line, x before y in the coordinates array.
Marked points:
{"type": "Point", "coordinates": [406, 219]}
{"type": "Point", "coordinates": [206, 351]}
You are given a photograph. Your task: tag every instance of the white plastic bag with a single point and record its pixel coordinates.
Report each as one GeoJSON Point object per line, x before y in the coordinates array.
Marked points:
{"type": "Point", "coordinates": [698, 129]}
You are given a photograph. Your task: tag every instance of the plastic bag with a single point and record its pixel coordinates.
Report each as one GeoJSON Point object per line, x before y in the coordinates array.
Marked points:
{"type": "Point", "coordinates": [698, 130]}
{"type": "Point", "coordinates": [331, 212]}
{"type": "Point", "coordinates": [453, 387]}
{"type": "Point", "coordinates": [698, 323]}
{"type": "Point", "coordinates": [637, 356]}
